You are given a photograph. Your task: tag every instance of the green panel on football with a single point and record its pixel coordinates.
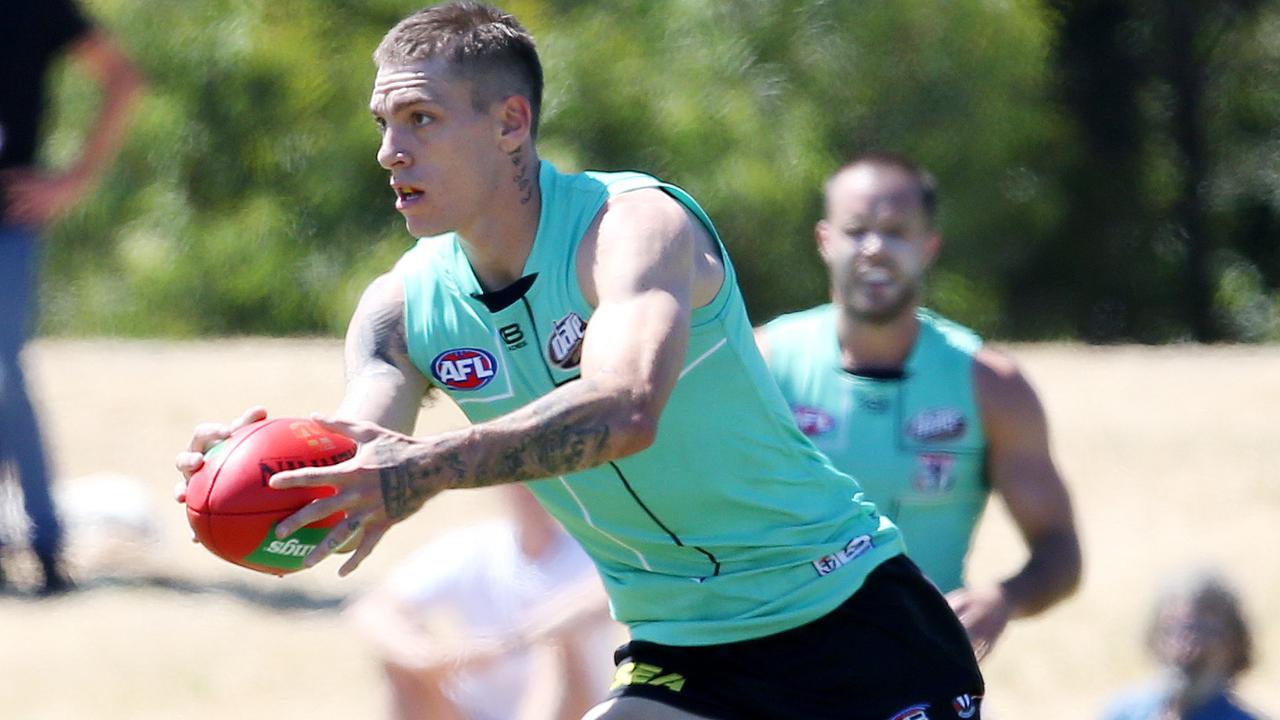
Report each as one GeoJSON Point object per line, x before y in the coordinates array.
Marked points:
{"type": "Point", "coordinates": [287, 554]}
{"type": "Point", "coordinates": [217, 449]}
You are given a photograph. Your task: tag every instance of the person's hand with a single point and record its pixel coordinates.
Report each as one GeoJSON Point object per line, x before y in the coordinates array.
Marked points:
{"type": "Point", "coordinates": [37, 198]}
{"type": "Point", "coordinates": [375, 489]}
{"type": "Point", "coordinates": [984, 612]}
{"type": "Point", "coordinates": [207, 435]}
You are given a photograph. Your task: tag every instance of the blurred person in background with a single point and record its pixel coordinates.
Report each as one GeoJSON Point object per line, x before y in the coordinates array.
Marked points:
{"type": "Point", "coordinates": [1198, 633]}
{"type": "Point", "coordinates": [926, 418]}
{"type": "Point", "coordinates": [460, 626]}
{"type": "Point", "coordinates": [33, 35]}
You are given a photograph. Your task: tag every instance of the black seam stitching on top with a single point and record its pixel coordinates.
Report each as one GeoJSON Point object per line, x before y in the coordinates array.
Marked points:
{"type": "Point", "coordinates": [674, 538]}
{"type": "Point", "coordinates": [538, 338]}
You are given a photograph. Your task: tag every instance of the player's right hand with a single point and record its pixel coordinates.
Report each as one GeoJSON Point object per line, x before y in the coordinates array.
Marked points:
{"type": "Point", "coordinates": [202, 438]}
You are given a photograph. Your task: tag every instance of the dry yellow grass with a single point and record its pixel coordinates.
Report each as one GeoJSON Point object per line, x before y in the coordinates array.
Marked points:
{"type": "Point", "coordinates": [1171, 454]}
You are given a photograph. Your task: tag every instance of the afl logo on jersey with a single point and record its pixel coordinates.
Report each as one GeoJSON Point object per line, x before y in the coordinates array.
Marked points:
{"type": "Point", "coordinates": [812, 421]}
{"type": "Point", "coordinates": [464, 368]}
{"type": "Point", "coordinates": [564, 349]}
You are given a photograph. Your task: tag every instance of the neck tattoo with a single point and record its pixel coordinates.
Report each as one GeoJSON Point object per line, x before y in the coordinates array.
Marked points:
{"type": "Point", "coordinates": [522, 179]}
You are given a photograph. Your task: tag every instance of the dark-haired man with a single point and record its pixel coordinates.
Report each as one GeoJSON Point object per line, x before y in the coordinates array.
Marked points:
{"type": "Point", "coordinates": [591, 327]}
{"type": "Point", "coordinates": [915, 407]}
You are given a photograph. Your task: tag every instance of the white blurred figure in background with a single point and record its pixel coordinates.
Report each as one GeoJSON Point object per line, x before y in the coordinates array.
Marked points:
{"type": "Point", "coordinates": [492, 622]}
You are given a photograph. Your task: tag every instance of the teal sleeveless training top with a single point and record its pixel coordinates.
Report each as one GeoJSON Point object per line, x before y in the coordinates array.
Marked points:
{"type": "Point", "coordinates": [731, 525]}
{"type": "Point", "coordinates": [914, 444]}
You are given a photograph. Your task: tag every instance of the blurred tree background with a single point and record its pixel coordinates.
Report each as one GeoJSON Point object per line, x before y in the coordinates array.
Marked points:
{"type": "Point", "coordinates": [1109, 169]}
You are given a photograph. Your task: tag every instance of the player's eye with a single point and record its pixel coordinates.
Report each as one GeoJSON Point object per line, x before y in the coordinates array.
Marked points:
{"type": "Point", "coordinates": [421, 119]}
{"type": "Point", "coordinates": [381, 124]}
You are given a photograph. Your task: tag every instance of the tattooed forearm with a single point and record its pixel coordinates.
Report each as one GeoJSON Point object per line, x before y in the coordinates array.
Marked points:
{"type": "Point", "coordinates": [567, 436]}
{"type": "Point", "coordinates": [407, 484]}
{"type": "Point", "coordinates": [552, 451]}
{"type": "Point", "coordinates": [398, 494]}
{"type": "Point", "coordinates": [574, 428]}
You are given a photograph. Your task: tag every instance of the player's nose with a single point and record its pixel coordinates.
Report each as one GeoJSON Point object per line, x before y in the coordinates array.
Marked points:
{"type": "Point", "coordinates": [390, 154]}
{"type": "Point", "coordinates": [871, 243]}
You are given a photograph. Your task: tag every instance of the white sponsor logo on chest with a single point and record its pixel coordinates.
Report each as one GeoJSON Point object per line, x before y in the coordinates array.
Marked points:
{"type": "Point", "coordinates": [564, 348]}
{"type": "Point", "coordinates": [936, 425]}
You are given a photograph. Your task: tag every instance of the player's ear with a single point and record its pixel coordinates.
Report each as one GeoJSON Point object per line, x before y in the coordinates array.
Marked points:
{"type": "Point", "coordinates": [822, 234]}
{"type": "Point", "coordinates": [932, 246]}
{"type": "Point", "coordinates": [514, 122]}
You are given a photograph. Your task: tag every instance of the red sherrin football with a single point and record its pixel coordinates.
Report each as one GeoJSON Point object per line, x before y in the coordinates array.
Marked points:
{"type": "Point", "coordinates": [234, 512]}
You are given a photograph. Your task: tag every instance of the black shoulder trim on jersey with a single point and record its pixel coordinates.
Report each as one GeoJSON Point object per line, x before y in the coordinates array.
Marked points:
{"type": "Point", "coordinates": [499, 300]}
{"type": "Point", "coordinates": [674, 538]}
{"type": "Point", "coordinates": [878, 373]}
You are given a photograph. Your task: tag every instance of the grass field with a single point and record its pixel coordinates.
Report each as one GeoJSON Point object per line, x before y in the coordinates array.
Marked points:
{"type": "Point", "coordinates": [1171, 454]}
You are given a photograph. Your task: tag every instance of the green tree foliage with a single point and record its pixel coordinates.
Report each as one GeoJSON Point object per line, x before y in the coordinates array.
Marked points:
{"type": "Point", "coordinates": [248, 199]}
{"type": "Point", "coordinates": [751, 104]}
{"type": "Point", "coordinates": [1170, 179]}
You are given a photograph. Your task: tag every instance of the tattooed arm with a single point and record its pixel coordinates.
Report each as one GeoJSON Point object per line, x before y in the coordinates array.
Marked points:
{"type": "Point", "coordinates": [644, 264]}
{"type": "Point", "coordinates": [383, 385]}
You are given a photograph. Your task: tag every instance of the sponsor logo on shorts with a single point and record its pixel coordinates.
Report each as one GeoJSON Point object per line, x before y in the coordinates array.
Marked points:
{"type": "Point", "coordinates": [933, 473]}
{"type": "Point", "coordinates": [856, 548]}
{"type": "Point", "coordinates": [966, 705]}
{"type": "Point", "coordinates": [936, 425]}
{"type": "Point", "coordinates": [812, 421]}
{"type": "Point", "coordinates": [633, 673]}
{"type": "Point", "coordinates": [915, 712]}
{"type": "Point", "coordinates": [564, 349]}
{"type": "Point", "coordinates": [464, 368]}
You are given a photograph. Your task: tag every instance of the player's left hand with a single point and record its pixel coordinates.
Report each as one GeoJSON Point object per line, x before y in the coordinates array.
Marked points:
{"type": "Point", "coordinates": [984, 612]}
{"type": "Point", "coordinates": [38, 198]}
{"type": "Point", "coordinates": [381, 461]}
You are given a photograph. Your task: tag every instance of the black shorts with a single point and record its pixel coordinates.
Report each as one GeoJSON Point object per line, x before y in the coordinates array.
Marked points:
{"type": "Point", "coordinates": [892, 651]}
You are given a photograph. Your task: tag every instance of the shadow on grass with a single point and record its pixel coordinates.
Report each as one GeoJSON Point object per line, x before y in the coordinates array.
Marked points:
{"type": "Point", "coordinates": [283, 600]}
